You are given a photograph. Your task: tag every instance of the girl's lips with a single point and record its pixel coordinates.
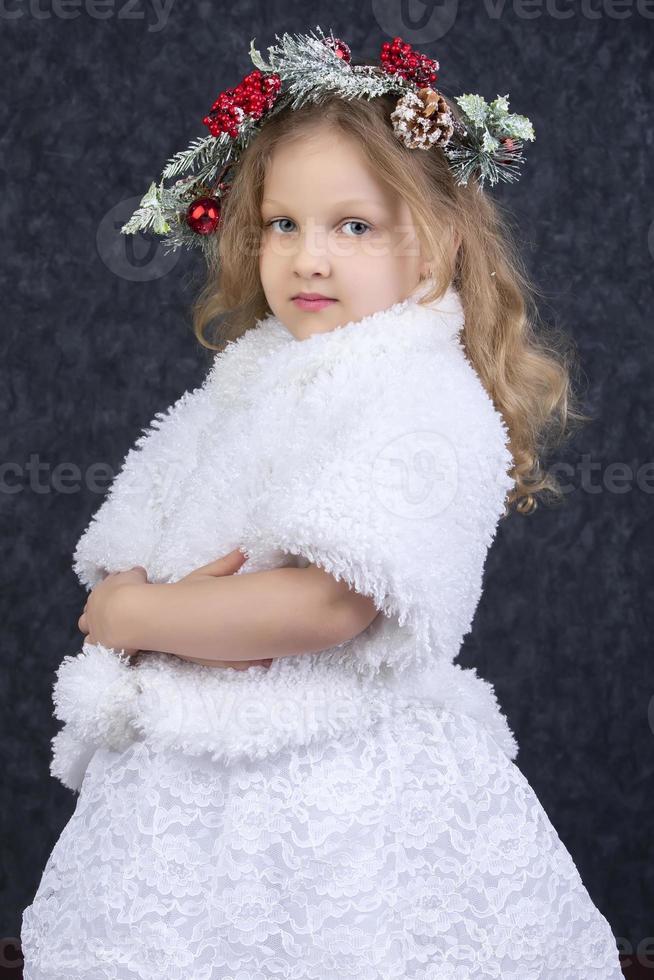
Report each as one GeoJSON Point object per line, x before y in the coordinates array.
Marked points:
{"type": "Point", "coordinates": [312, 304]}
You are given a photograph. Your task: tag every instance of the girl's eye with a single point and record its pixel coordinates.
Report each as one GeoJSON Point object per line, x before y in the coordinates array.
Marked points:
{"type": "Point", "coordinates": [275, 220]}
{"type": "Point", "coordinates": [353, 221]}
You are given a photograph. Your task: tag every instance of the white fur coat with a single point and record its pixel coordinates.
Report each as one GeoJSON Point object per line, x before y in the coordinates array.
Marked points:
{"type": "Point", "coordinates": [373, 451]}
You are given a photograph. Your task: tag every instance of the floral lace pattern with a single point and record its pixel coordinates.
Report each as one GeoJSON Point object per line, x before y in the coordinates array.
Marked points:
{"type": "Point", "coordinates": [415, 850]}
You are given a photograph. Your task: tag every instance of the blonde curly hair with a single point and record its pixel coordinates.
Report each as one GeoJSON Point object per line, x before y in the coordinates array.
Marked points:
{"type": "Point", "coordinates": [525, 366]}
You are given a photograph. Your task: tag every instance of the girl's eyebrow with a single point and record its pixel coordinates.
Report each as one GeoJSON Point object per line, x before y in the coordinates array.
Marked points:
{"type": "Point", "coordinates": [350, 202]}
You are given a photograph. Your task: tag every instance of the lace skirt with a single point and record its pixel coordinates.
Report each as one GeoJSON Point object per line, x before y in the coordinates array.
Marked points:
{"type": "Point", "coordinates": [415, 850]}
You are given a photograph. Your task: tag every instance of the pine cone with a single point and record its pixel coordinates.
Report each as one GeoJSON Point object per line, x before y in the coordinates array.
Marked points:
{"type": "Point", "coordinates": [422, 119]}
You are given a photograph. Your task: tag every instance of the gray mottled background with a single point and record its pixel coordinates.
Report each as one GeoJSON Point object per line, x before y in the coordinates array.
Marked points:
{"type": "Point", "coordinates": [97, 338]}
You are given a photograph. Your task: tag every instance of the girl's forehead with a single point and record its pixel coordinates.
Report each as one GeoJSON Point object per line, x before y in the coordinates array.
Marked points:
{"type": "Point", "coordinates": [326, 179]}
{"type": "Point", "coordinates": [331, 196]}
{"type": "Point", "coordinates": [327, 151]}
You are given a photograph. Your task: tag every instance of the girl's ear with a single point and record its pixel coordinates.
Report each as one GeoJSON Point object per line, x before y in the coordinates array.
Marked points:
{"type": "Point", "coordinates": [455, 239]}
{"type": "Point", "coordinates": [454, 244]}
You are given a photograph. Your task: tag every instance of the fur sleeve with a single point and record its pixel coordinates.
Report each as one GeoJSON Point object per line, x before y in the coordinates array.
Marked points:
{"type": "Point", "coordinates": [94, 695]}
{"type": "Point", "coordinates": [122, 532]}
{"type": "Point", "coordinates": [70, 758]}
{"type": "Point", "coordinates": [393, 478]}
{"type": "Point", "coordinates": [125, 529]}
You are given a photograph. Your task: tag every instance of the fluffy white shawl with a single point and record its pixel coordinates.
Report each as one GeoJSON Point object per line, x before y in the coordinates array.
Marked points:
{"type": "Point", "coordinates": [372, 450]}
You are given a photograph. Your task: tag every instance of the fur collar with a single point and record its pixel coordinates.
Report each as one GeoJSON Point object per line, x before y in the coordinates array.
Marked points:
{"type": "Point", "coordinates": [403, 327]}
{"type": "Point", "coordinates": [405, 324]}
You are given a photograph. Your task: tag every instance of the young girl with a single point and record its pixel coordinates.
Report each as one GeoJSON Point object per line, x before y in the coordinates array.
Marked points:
{"type": "Point", "coordinates": [281, 771]}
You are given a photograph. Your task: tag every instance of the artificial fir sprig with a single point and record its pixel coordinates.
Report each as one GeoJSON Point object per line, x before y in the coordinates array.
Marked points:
{"type": "Point", "coordinates": [491, 145]}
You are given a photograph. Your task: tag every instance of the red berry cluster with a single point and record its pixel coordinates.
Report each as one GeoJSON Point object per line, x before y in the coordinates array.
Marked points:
{"type": "Point", "coordinates": [399, 58]}
{"type": "Point", "coordinates": [253, 96]}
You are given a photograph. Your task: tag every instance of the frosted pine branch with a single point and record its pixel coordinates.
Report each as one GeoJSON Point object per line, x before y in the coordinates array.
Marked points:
{"type": "Point", "coordinates": [311, 71]}
{"type": "Point", "coordinates": [199, 153]}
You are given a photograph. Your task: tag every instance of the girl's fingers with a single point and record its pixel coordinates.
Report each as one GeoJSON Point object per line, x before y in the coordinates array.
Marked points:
{"type": "Point", "coordinates": [223, 566]}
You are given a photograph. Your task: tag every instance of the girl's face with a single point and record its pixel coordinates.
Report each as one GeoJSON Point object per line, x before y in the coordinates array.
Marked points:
{"type": "Point", "coordinates": [331, 227]}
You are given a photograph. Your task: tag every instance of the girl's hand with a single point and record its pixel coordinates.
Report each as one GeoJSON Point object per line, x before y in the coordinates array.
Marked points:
{"type": "Point", "coordinates": [99, 620]}
{"type": "Point", "coordinates": [227, 565]}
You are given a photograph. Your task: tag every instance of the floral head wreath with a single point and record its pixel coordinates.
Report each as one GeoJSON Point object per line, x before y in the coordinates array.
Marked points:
{"type": "Point", "coordinates": [302, 68]}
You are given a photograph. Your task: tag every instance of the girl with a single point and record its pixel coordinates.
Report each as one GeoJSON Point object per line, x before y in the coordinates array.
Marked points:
{"type": "Point", "coordinates": [281, 771]}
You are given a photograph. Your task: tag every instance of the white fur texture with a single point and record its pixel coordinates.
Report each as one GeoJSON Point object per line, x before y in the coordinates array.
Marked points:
{"type": "Point", "coordinates": [373, 451]}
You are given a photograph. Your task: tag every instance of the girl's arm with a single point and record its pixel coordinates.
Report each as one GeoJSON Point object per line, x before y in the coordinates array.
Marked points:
{"type": "Point", "coordinates": [273, 613]}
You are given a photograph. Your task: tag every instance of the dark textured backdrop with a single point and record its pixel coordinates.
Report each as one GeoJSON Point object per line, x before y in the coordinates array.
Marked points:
{"type": "Point", "coordinates": [97, 338]}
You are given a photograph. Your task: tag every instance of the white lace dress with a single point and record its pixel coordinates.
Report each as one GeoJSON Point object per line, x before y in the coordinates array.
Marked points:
{"type": "Point", "coordinates": [414, 849]}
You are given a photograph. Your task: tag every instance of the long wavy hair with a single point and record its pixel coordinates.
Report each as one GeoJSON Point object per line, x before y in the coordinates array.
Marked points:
{"type": "Point", "coordinates": [526, 366]}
